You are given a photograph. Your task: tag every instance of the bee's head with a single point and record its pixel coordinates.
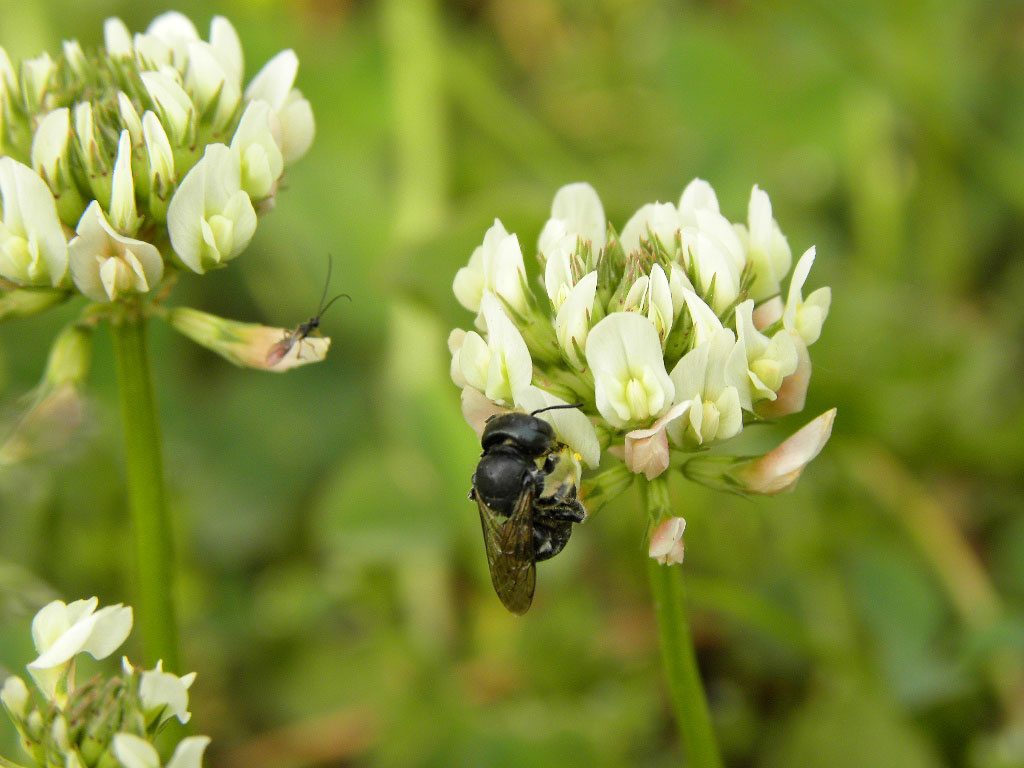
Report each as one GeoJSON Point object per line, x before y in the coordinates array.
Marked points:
{"type": "Point", "coordinates": [531, 435]}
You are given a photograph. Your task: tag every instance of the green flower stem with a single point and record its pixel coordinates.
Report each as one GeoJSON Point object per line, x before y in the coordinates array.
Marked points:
{"type": "Point", "coordinates": [677, 653]}
{"type": "Point", "coordinates": [5, 763]}
{"type": "Point", "coordinates": [147, 499]}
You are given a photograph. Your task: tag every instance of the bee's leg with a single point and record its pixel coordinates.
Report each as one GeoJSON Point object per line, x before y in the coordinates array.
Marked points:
{"type": "Point", "coordinates": [549, 538]}
{"type": "Point", "coordinates": [560, 509]}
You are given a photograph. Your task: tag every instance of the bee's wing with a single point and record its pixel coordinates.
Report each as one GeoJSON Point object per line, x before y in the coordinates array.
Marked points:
{"type": "Point", "coordinates": [509, 548]}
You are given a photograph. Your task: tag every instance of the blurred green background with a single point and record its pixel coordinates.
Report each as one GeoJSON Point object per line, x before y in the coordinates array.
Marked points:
{"type": "Point", "coordinates": [335, 598]}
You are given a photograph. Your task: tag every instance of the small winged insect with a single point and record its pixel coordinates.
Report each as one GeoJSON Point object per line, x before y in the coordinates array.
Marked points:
{"type": "Point", "coordinates": [521, 527]}
{"type": "Point", "coordinates": [291, 338]}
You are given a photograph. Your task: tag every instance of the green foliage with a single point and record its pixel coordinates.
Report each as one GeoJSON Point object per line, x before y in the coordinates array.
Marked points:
{"type": "Point", "coordinates": [336, 598]}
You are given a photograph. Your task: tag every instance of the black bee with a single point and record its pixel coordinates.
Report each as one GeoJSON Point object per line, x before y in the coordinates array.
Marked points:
{"type": "Point", "coordinates": [281, 348]}
{"type": "Point", "coordinates": [521, 527]}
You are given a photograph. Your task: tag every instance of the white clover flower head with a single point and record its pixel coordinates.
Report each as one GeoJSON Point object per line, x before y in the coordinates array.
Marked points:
{"type": "Point", "coordinates": [106, 265]}
{"type": "Point", "coordinates": [61, 631]}
{"type": "Point", "coordinates": [673, 293]}
{"type": "Point", "coordinates": [33, 250]}
{"type": "Point", "coordinates": [211, 219]}
{"type": "Point", "coordinates": [667, 541]}
{"type": "Point", "coordinates": [165, 693]}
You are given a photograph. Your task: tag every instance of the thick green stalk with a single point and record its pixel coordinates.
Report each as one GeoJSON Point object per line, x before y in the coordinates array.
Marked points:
{"type": "Point", "coordinates": [689, 703]}
{"type": "Point", "coordinates": [147, 500]}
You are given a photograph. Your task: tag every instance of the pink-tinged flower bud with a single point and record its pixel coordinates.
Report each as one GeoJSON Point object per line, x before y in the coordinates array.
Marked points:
{"type": "Point", "coordinates": [667, 541]}
{"type": "Point", "coordinates": [250, 345]}
{"type": "Point", "coordinates": [778, 470]}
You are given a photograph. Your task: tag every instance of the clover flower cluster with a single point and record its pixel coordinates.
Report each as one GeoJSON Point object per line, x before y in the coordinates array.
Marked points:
{"type": "Point", "coordinates": [672, 336]}
{"type": "Point", "coordinates": [101, 723]}
{"type": "Point", "coordinates": [109, 155]}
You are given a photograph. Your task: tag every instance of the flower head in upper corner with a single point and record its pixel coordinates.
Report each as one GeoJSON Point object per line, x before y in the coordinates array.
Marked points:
{"type": "Point", "coordinates": [123, 167]}
{"type": "Point", "coordinates": [672, 336]}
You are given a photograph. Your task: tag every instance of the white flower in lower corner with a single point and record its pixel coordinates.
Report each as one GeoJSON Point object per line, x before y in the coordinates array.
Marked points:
{"type": "Point", "coordinates": [211, 219]}
{"type": "Point", "coordinates": [806, 316]}
{"type": "Point", "coordinates": [712, 379]}
{"type": "Point", "coordinates": [667, 541]}
{"type": "Point", "coordinates": [60, 631]}
{"type": "Point", "coordinates": [106, 265]}
{"type": "Point", "coordinates": [33, 250]}
{"type": "Point", "coordinates": [292, 123]}
{"type": "Point", "coordinates": [631, 384]}
{"type": "Point", "coordinates": [133, 751]}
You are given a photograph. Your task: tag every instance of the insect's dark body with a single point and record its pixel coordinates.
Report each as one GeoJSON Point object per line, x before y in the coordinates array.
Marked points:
{"type": "Point", "coordinates": [521, 526]}
{"type": "Point", "coordinates": [302, 330]}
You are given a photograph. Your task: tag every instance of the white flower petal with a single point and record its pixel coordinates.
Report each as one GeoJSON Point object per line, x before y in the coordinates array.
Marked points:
{"type": "Point", "coordinates": [274, 82]}
{"type": "Point", "coordinates": [657, 219]}
{"type": "Point", "coordinates": [579, 206]}
{"type": "Point", "coordinates": [698, 195]}
{"type": "Point", "coordinates": [132, 751]}
{"type": "Point", "coordinates": [572, 323]}
{"type": "Point", "coordinates": [33, 250]}
{"type": "Point", "coordinates": [189, 752]}
{"type": "Point", "coordinates": [511, 368]}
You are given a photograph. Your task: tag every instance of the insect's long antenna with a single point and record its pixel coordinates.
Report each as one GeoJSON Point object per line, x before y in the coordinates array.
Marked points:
{"type": "Point", "coordinates": [556, 407]}
{"type": "Point", "coordinates": [327, 284]}
{"type": "Point", "coordinates": [339, 296]}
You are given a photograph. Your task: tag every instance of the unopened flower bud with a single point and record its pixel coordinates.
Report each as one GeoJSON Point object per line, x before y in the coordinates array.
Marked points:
{"type": "Point", "coordinates": [123, 214]}
{"type": "Point", "coordinates": [15, 697]}
{"type": "Point", "coordinates": [130, 117]}
{"type": "Point", "coordinates": [70, 356]}
{"type": "Point", "coordinates": [75, 57]}
{"type": "Point", "coordinates": [25, 302]}
{"type": "Point", "coordinates": [35, 79]}
{"type": "Point", "coordinates": [117, 40]}
{"type": "Point", "coordinates": [173, 105]}
{"type": "Point", "coordinates": [667, 541]}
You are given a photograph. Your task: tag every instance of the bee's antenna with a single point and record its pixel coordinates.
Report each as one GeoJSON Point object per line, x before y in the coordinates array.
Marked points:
{"type": "Point", "coordinates": [556, 407]}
